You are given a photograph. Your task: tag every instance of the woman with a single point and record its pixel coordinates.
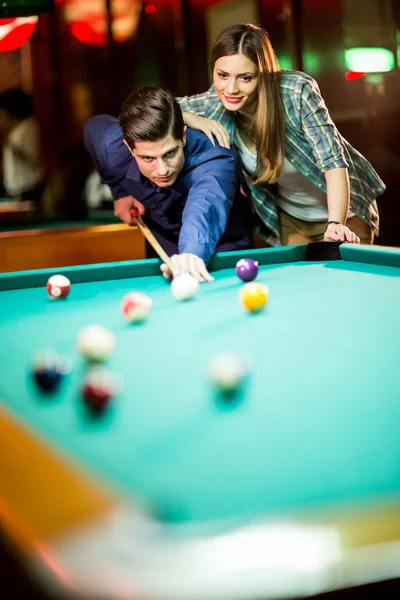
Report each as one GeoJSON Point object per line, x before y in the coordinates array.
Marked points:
{"type": "Point", "coordinates": [305, 180]}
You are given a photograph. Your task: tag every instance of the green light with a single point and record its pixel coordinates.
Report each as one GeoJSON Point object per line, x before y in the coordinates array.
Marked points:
{"type": "Point", "coordinates": [312, 62]}
{"type": "Point", "coordinates": [285, 62]}
{"type": "Point", "coordinates": [24, 8]}
{"type": "Point", "coordinates": [374, 78]}
{"type": "Point", "coordinates": [369, 60]}
{"type": "Point", "coordinates": [398, 46]}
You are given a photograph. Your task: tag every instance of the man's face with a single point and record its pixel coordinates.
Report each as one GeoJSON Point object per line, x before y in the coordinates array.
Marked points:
{"type": "Point", "coordinates": [160, 161]}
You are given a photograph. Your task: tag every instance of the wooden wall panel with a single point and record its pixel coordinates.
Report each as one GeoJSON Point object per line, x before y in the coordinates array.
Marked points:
{"type": "Point", "coordinates": [41, 249]}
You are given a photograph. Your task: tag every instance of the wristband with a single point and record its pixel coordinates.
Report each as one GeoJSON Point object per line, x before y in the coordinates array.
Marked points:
{"type": "Point", "coordinates": [334, 223]}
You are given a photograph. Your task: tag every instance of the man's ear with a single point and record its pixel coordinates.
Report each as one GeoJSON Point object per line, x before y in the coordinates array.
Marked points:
{"type": "Point", "coordinates": [184, 135]}
{"type": "Point", "coordinates": [129, 148]}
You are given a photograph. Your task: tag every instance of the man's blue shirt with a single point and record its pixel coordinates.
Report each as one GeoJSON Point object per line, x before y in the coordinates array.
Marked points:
{"type": "Point", "coordinates": [202, 204]}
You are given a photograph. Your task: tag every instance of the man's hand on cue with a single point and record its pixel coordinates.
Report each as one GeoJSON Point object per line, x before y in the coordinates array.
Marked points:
{"type": "Point", "coordinates": [123, 207]}
{"type": "Point", "coordinates": [187, 263]}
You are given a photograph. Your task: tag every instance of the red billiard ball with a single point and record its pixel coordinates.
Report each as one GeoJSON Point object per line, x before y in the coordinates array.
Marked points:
{"type": "Point", "coordinates": [58, 286]}
{"type": "Point", "coordinates": [247, 269]}
{"type": "Point", "coordinates": [99, 388]}
{"type": "Point", "coordinates": [96, 397]}
{"type": "Point", "coordinates": [136, 307]}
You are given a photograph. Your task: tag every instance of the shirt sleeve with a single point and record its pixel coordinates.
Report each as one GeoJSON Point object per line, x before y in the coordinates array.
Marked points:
{"type": "Point", "coordinates": [209, 202]}
{"type": "Point", "coordinates": [103, 140]}
{"type": "Point", "coordinates": [198, 104]}
{"type": "Point", "coordinates": [117, 190]}
{"type": "Point", "coordinates": [319, 129]}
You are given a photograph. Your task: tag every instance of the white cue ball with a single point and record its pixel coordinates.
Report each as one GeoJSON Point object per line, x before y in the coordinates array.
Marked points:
{"type": "Point", "coordinates": [228, 371]}
{"type": "Point", "coordinates": [184, 286]}
{"type": "Point", "coordinates": [96, 343]}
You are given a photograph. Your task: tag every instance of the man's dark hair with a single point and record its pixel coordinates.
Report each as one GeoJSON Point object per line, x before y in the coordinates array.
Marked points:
{"type": "Point", "coordinates": [150, 114]}
{"type": "Point", "coordinates": [16, 103]}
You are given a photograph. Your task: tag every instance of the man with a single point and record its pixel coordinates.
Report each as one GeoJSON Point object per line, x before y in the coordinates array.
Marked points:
{"type": "Point", "coordinates": [22, 165]}
{"type": "Point", "coordinates": [186, 188]}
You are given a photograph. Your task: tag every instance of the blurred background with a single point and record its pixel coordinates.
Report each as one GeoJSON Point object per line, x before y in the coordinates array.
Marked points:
{"type": "Point", "coordinates": [86, 56]}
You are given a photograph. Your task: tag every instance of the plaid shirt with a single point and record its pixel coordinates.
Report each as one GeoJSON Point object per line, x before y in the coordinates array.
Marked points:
{"type": "Point", "coordinates": [312, 144]}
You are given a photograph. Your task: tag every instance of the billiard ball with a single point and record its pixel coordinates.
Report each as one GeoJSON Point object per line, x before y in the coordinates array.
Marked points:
{"type": "Point", "coordinates": [184, 286]}
{"type": "Point", "coordinates": [58, 286]}
{"type": "Point", "coordinates": [96, 343]}
{"type": "Point", "coordinates": [227, 371]}
{"type": "Point", "coordinates": [99, 388]}
{"type": "Point", "coordinates": [253, 296]}
{"type": "Point", "coordinates": [49, 369]}
{"type": "Point", "coordinates": [247, 269]}
{"type": "Point", "coordinates": [136, 307]}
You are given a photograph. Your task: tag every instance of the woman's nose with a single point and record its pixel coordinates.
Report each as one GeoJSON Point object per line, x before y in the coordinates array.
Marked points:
{"type": "Point", "coordinates": [232, 86]}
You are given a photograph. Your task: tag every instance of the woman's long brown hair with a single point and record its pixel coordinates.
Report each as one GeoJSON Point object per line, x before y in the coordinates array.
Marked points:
{"type": "Point", "coordinates": [253, 42]}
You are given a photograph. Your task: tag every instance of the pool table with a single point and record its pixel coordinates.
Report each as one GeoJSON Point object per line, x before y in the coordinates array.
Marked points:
{"type": "Point", "coordinates": [288, 488]}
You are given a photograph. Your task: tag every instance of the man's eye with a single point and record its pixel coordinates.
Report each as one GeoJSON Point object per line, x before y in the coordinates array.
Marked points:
{"type": "Point", "coordinates": [170, 154]}
{"type": "Point", "coordinates": [147, 159]}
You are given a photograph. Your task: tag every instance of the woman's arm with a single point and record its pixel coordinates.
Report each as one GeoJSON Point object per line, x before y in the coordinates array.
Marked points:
{"type": "Point", "coordinates": [338, 192]}
{"type": "Point", "coordinates": [324, 140]}
{"type": "Point", "coordinates": [209, 127]}
{"type": "Point", "coordinates": [195, 108]}
{"type": "Point", "coordinates": [338, 196]}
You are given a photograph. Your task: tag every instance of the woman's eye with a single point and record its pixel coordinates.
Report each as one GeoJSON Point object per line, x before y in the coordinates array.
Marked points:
{"type": "Point", "coordinates": [222, 75]}
{"type": "Point", "coordinates": [246, 79]}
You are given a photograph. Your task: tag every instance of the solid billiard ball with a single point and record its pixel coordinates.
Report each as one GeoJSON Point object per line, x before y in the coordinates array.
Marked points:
{"type": "Point", "coordinates": [253, 296]}
{"type": "Point", "coordinates": [49, 369]}
{"type": "Point", "coordinates": [58, 286]}
{"type": "Point", "coordinates": [96, 343]}
{"type": "Point", "coordinates": [136, 307]}
{"type": "Point", "coordinates": [99, 388]}
{"type": "Point", "coordinates": [184, 286]}
{"type": "Point", "coordinates": [96, 397]}
{"type": "Point", "coordinates": [227, 371]}
{"type": "Point", "coordinates": [247, 269]}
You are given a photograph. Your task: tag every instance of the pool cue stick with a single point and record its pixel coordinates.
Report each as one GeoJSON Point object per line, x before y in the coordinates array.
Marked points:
{"type": "Point", "coordinates": [153, 242]}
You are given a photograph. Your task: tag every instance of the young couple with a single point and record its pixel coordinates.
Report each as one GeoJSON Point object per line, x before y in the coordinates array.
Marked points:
{"type": "Point", "coordinates": [257, 129]}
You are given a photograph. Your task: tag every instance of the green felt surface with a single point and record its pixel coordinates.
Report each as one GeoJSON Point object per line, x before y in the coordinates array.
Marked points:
{"type": "Point", "coordinates": [316, 423]}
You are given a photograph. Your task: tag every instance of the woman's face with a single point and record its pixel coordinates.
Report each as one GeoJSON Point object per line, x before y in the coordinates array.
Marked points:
{"type": "Point", "coordinates": [235, 81]}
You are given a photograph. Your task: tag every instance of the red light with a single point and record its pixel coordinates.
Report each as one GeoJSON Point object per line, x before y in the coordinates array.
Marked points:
{"type": "Point", "coordinates": [15, 32]}
{"type": "Point", "coordinates": [150, 9]}
{"type": "Point", "coordinates": [83, 32]}
{"type": "Point", "coordinates": [352, 75]}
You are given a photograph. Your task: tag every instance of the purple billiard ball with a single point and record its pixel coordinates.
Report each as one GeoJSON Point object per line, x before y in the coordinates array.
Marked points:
{"type": "Point", "coordinates": [247, 269]}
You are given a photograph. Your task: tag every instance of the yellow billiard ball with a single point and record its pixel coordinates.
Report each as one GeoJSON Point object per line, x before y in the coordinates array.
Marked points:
{"type": "Point", "coordinates": [253, 296]}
